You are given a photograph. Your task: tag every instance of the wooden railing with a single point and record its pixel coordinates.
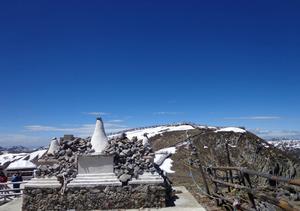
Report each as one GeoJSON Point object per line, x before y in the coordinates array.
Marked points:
{"type": "Point", "coordinates": [242, 181]}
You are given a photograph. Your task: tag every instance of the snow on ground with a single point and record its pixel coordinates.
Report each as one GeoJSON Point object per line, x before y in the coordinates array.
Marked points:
{"type": "Point", "coordinates": [231, 129]}
{"type": "Point", "coordinates": [265, 145]}
{"type": "Point", "coordinates": [156, 131]}
{"type": "Point", "coordinates": [10, 157]}
{"type": "Point", "coordinates": [167, 164]}
{"type": "Point", "coordinates": [21, 160]}
{"type": "Point", "coordinates": [37, 154]}
{"type": "Point", "coordinates": [21, 164]}
{"type": "Point", "coordinates": [171, 150]}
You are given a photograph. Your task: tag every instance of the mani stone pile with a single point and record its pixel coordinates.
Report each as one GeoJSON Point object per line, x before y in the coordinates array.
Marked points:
{"type": "Point", "coordinates": [131, 157]}
{"type": "Point", "coordinates": [62, 161]}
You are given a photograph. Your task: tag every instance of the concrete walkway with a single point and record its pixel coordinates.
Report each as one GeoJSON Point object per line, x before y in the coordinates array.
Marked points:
{"type": "Point", "coordinates": [14, 205]}
{"type": "Point", "coordinates": [185, 202]}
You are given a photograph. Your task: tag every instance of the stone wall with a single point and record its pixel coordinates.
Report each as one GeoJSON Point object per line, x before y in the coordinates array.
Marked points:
{"type": "Point", "coordinates": [101, 197]}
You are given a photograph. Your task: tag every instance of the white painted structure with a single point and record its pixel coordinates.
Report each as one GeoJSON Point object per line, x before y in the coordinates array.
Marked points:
{"type": "Point", "coordinates": [99, 138]}
{"type": "Point", "coordinates": [54, 147]}
{"type": "Point", "coordinates": [146, 140]}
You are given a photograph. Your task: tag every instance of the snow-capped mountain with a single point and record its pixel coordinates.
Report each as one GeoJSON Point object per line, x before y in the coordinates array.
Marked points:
{"type": "Point", "coordinates": [289, 145]}
{"type": "Point", "coordinates": [15, 149]}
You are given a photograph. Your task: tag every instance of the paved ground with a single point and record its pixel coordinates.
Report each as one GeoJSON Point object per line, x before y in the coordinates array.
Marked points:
{"type": "Point", "coordinates": [14, 205]}
{"type": "Point", "coordinates": [185, 202]}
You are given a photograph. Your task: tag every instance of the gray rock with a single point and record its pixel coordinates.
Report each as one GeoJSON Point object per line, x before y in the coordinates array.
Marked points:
{"type": "Point", "coordinates": [125, 178]}
{"type": "Point", "coordinates": [62, 153]}
{"type": "Point", "coordinates": [55, 167]}
{"type": "Point", "coordinates": [69, 152]}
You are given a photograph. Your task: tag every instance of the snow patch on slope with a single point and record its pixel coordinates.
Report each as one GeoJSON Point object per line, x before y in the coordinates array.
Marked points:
{"type": "Point", "coordinates": [155, 131]}
{"type": "Point", "coordinates": [10, 157]}
{"type": "Point", "coordinates": [231, 129]}
{"type": "Point", "coordinates": [37, 154]}
{"type": "Point", "coordinates": [168, 163]}
{"type": "Point", "coordinates": [21, 160]}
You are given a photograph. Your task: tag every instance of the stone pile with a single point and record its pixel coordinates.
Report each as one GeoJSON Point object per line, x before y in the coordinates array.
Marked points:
{"type": "Point", "coordinates": [132, 158]}
{"type": "Point", "coordinates": [65, 157]}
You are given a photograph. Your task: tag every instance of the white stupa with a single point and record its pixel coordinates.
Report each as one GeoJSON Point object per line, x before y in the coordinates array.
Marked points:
{"type": "Point", "coordinates": [54, 147]}
{"type": "Point", "coordinates": [146, 140]}
{"type": "Point", "coordinates": [99, 138]}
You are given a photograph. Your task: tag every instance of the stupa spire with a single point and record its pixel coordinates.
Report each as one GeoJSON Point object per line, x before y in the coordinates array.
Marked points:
{"type": "Point", "coordinates": [99, 138]}
{"type": "Point", "coordinates": [54, 147]}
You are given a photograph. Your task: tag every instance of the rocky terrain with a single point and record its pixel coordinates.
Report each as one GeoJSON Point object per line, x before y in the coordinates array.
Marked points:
{"type": "Point", "coordinates": [65, 164]}
{"type": "Point", "coordinates": [245, 150]}
{"type": "Point", "coordinates": [132, 158]}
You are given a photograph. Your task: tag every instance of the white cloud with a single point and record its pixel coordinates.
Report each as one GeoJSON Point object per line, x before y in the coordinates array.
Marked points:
{"type": "Point", "coordinates": [40, 135]}
{"type": "Point", "coordinates": [82, 130]}
{"type": "Point", "coordinates": [38, 128]}
{"type": "Point", "coordinates": [276, 133]}
{"type": "Point", "coordinates": [167, 113]}
{"type": "Point", "coordinates": [116, 121]}
{"type": "Point", "coordinates": [253, 118]}
{"type": "Point", "coordinates": [96, 113]}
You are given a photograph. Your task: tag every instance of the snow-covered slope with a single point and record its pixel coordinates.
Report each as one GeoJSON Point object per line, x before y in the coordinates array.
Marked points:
{"type": "Point", "coordinates": [231, 129]}
{"type": "Point", "coordinates": [21, 160]}
{"type": "Point", "coordinates": [152, 131]}
{"type": "Point", "coordinates": [167, 163]}
{"type": "Point", "coordinates": [10, 157]}
{"type": "Point", "coordinates": [37, 154]}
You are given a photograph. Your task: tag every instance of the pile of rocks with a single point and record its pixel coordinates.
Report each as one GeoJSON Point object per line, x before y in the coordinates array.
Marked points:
{"type": "Point", "coordinates": [64, 157]}
{"type": "Point", "coordinates": [132, 158]}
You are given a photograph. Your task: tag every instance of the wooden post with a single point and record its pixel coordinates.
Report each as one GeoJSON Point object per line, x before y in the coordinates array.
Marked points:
{"type": "Point", "coordinates": [228, 160]}
{"type": "Point", "coordinates": [204, 179]}
{"type": "Point", "coordinates": [227, 180]}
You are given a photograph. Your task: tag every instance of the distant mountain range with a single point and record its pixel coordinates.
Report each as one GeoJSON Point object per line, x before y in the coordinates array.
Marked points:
{"type": "Point", "coordinates": [285, 144]}
{"type": "Point", "coordinates": [19, 149]}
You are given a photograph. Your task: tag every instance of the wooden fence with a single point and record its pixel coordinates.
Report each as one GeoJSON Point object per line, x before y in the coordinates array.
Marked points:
{"type": "Point", "coordinates": [238, 178]}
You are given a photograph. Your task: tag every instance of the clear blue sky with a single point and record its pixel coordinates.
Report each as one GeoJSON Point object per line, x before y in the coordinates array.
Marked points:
{"type": "Point", "coordinates": [147, 62]}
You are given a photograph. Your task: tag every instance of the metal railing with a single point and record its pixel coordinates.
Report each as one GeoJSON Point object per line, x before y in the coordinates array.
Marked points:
{"type": "Point", "coordinates": [7, 192]}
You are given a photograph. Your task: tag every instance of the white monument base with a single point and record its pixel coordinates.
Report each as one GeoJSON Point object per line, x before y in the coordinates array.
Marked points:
{"type": "Point", "coordinates": [48, 182]}
{"type": "Point", "coordinates": [95, 170]}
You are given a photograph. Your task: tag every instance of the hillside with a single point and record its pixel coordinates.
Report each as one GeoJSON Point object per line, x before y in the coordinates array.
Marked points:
{"type": "Point", "coordinates": [245, 150]}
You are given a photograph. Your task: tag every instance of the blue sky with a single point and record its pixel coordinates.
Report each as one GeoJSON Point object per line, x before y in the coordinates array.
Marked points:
{"type": "Point", "coordinates": [139, 63]}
